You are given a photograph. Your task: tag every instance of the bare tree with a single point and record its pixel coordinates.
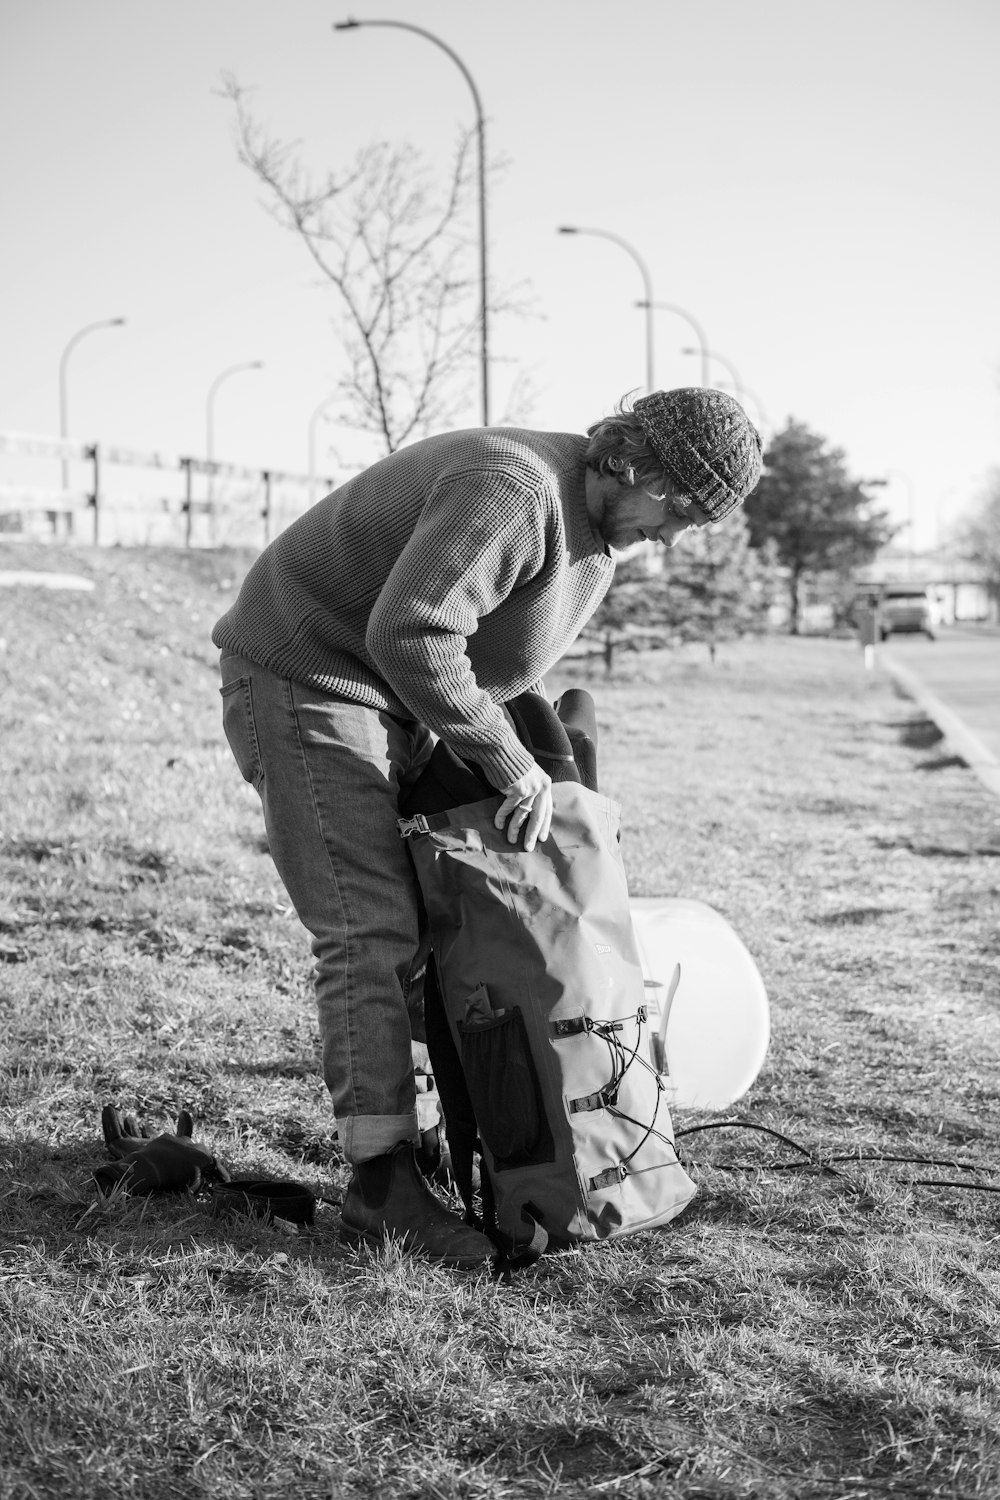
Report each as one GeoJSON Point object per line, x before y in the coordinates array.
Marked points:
{"type": "Point", "coordinates": [395, 245]}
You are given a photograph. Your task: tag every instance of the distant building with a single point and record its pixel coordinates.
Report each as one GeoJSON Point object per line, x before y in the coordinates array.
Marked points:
{"type": "Point", "coordinates": [960, 587]}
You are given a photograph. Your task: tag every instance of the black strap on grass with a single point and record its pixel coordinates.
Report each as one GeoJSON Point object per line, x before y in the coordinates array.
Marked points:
{"type": "Point", "coordinates": [257, 1198]}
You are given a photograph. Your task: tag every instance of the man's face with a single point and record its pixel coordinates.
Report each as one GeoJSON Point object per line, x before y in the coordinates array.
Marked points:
{"type": "Point", "coordinates": [630, 516]}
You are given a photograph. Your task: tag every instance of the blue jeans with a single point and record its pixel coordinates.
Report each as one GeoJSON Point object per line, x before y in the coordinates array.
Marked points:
{"type": "Point", "coordinates": [329, 774]}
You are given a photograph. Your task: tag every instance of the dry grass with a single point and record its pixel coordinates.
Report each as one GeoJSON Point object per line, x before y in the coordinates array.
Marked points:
{"type": "Point", "coordinates": [793, 1334]}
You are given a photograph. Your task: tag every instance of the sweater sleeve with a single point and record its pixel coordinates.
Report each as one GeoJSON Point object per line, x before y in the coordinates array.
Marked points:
{"type": "Point", "coordinates": [481, 535]}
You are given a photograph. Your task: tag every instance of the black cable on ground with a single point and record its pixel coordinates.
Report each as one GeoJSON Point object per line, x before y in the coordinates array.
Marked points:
{"type": "Point", "coordinates": [970, 1187]}
{"type": "Point", "coordinates": [814, 1158]}
{"type": "Point", "coordinates": [882, 1156]}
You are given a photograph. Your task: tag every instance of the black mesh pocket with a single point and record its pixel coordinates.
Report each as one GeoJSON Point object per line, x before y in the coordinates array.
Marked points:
{"type": "Point", "coordinates": [503, 1086]}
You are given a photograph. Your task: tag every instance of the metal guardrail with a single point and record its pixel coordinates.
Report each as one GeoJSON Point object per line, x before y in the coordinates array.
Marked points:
{"type": "Point", "coordinates": [20, 498]}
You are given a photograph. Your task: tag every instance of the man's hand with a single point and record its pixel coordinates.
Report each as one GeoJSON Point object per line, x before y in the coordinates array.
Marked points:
{"type": "Point", "coordinates": [527, 806]}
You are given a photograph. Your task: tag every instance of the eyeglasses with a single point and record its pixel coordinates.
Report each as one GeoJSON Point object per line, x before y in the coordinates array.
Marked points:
{"type": "Point", "coordinates": [679, 506]}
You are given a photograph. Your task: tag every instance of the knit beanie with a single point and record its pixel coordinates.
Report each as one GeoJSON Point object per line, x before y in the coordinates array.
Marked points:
{"type": "Point", "coordinates": [707, 444]}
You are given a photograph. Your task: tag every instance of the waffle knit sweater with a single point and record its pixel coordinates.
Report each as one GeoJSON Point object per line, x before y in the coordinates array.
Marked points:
{"type": "Point", "coordinates": [438, 584]}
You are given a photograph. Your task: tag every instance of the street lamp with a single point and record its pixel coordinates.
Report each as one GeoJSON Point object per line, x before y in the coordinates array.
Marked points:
{"type": "Point", "coordinates": [911, 507]}
{"type": "Point", "coordinates": [605, 234]}
{"type": "Point", "coordinates": [763, 420]}
{"type": "Point", "coordinates": [742, 391]}
{"type": "Point", "coordinates": [351, 25]}
{"type": "Point", "coordinates": [734, 373]}
{"type": "Point", "coordinates": [251, 364]}
{"type": "Point", "coordinates": [63, 402]}
{"type": "Point", "coordinates": [321, 408]}
{"type": "Point", "coordinates": [699, 331]}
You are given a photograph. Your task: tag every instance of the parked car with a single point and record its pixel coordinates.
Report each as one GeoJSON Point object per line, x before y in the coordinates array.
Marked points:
{"type": "Point", "coordinates": [910, 608]}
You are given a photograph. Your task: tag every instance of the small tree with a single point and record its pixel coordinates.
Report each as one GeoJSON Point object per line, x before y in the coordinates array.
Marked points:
{"type": "Point", "coordinates": [716, 587]}
{"type": "Point", "coordinates": [621, 613]}
{"type": "Point", "coordinates": [712, 587]}
{"type": "Point", "coordinates": [816, 517]}
{"type": "Point", "coordinates": [395, 245]}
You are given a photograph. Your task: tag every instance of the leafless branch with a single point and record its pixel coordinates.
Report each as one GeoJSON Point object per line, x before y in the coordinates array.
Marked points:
{"type": "Point", "coordinates": [396, 246]}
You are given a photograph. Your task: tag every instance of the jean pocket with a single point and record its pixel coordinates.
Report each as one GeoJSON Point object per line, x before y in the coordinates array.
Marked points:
{"type": "Point", "coordinates": [240, 729]}
{"type": "Point", "coordinates": [504, 1088]}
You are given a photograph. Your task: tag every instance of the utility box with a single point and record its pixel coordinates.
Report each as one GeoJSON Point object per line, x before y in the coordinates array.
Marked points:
{"type": "Point", "coordinates": [866, 614]}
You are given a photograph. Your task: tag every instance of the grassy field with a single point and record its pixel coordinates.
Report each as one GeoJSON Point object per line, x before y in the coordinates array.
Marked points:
{"type": "Point", "coordinates": [793, 1334]}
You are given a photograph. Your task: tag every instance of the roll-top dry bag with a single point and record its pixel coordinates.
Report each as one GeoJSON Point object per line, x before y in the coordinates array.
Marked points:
{"type": "Point", "coordinates": [542, 986]}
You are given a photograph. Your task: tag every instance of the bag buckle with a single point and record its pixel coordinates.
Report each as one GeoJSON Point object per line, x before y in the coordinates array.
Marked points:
{"type": "Point", "coordinates": [409, 826]}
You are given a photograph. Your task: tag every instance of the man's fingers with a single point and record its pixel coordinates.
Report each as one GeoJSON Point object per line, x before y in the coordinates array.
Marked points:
{"type": "Point", "coordinates": [519, 816]}
{"type": "Point", "coordinates": [508, 808]}
{"type": "Point", "coordinates": [534, 822]}
{"type": "Point", "coordinates": [511, 809]}
{"type": "Point", "coordinates": [539, 823]}
{"type": "Point", "coordinates": [527, 808]}
{"type": "Point", "coordinates": [531, 829]}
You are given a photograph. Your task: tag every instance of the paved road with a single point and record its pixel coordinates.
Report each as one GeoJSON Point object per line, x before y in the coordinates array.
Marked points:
{"type": "Point", "coordinates": [956, 679]}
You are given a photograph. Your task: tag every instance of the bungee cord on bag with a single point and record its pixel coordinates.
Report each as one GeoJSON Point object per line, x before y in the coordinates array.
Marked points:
{"type": "Point", "coordinates": [621, 1062]}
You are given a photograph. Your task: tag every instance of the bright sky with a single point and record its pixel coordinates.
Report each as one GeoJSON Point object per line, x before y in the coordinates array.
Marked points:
{"type": "Point", "coordinates": [815, 181]}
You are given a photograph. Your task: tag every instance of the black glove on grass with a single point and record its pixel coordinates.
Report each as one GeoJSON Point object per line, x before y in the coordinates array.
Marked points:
{"type": "Point", "coordinates": [145, 1163]}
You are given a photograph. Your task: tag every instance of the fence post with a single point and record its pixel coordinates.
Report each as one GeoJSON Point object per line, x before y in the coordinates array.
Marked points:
{"type": "Point", "coordinates": [95, 496]}
{"type": "Point", "coordinates": [186, 466]}
{"type": "Point", "coordinates": [266, 512]}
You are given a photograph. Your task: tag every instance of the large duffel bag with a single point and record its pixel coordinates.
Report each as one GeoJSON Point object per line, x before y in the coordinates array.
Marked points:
{"type": "Point", "coordinates": [543, 1046]}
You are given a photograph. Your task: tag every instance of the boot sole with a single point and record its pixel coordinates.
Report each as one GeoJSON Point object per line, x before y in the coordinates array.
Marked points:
{"type": "Point", "coordinates": [376, 1239]}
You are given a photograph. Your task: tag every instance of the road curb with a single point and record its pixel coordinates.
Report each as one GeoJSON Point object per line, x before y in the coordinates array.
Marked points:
{"type": "Point", "coordinates": [961, 739]}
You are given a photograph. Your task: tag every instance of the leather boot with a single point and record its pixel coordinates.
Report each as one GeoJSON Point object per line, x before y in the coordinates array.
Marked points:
{"type": "Point", "coordinates": [388, 1198]}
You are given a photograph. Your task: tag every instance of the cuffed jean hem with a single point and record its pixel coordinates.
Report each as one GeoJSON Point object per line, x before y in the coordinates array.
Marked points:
{"type": "Point", "coordinates": [365, 1136]}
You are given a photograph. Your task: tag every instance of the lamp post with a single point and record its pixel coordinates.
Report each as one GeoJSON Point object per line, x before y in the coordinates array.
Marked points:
{"type": "Point", "coordinates": [352, 25]}
{"type": "Point", "coordinates": [742, 391]}
{"type": "Point", "coordinates": [941, 505]}
{"type": "Point", "coordinates": [647, 303]}
{"type": "Point", "coordinates": [911, 509]}
{"type": "Point", "coordinates": [733, 372]}
{"type": "Point", "coordinates": [321, 408]}
{"type": "Point", "coordinates": [63, 400]}
{"type": "Point", "coordinates": [250, 364]}
{"type": "Point", "coordinates": [699, 331]}
{"type": "Point", "coordinates": [763, 420]}
{"type": "Point", "coordinates": [210, 431]}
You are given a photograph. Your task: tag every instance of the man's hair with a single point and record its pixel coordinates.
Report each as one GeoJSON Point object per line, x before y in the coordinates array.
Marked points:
{"type": "Point", "coordinates": [622, 437]}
